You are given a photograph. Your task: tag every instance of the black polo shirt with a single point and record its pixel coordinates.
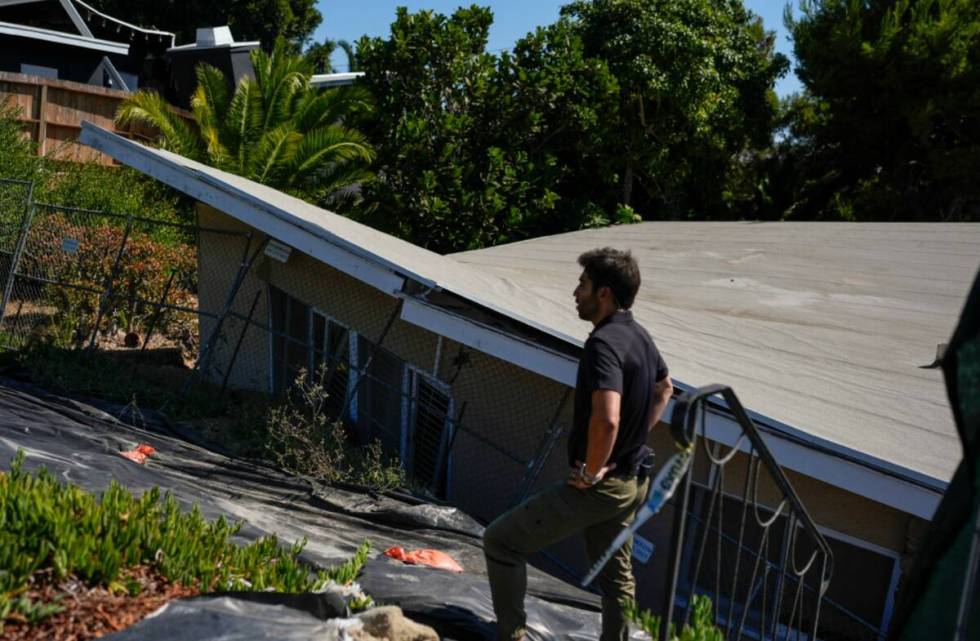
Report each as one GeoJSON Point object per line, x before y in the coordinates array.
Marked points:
{"type": "Point", "coordinates": [619, 356]}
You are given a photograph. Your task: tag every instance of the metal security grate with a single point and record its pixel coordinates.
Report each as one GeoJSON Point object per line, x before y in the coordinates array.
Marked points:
{"type": "Point", "coordinates": [746, 540]}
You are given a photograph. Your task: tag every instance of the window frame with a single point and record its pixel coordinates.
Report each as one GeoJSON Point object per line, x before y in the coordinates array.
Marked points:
{"type": "Point", "coordinates": [409, 421]}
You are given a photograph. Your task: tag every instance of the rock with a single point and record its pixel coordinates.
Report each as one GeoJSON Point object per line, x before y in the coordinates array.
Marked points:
{"type": "Point", "coordinates": [388, 622]}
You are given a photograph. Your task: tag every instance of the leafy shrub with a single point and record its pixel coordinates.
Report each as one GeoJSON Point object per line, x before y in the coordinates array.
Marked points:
{"type": "Point", "coordinates": [52, 531]}
{"type": "Point", "coordinates": [84, 185]}
{"type": "Point", "coordinates": [304, 438]}
{"type": "Point", "coordinates": [702, 627]}
{"type": "Point", "coordinates": [143, 274]}
{"type": "Point", "coordinates": [119, 190]}
{"type": "Point", "coordinates": [18, 154]}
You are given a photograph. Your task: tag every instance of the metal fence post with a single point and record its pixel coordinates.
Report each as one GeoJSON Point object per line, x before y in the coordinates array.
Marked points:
{"type": "Point", "coordinates": [241, 337]}
{"type": "Point", "coordinates": [153, 321]}
{"type": "Point", "coordinates": [364, 371]}
{"type": "Point", "coordinates": [110, 283]}
{"type": "Point", "coordinates": [204, 359]}
{"type": "Point", "coordinates": [536, 464]}
{"type": "Point", "coordinates": [25, 226]}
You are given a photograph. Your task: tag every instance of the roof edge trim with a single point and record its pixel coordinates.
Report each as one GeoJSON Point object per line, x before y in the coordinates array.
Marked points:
{"type": "Point", "coordinates": [526, 355]}
{"type": "Point", "coordinates": [63, 37]}
{"type": "Point", "coordinates": [233, 202]}
{"type": "Point", "coordinates": [850, 474]}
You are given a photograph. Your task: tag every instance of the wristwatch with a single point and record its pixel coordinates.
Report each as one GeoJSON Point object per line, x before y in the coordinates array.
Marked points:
{"type": "Point", "coordinates": [587, 478]}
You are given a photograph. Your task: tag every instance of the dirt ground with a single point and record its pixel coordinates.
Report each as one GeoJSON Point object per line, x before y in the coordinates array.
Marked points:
{"type": "Point", "coordinates": [90, 613]}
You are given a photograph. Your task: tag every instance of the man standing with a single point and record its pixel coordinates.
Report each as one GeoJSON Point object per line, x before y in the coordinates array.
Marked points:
{"type": "Point", "coordinates": [621, 390]}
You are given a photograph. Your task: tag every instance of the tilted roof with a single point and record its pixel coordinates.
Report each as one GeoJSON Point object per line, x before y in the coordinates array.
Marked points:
{"type": "Point", "coordinates": [825, 327]}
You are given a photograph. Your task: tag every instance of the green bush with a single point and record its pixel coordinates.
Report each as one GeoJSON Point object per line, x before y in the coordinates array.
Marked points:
{"type": "Point", "coordinates": [702, 627]}
{"type": "Point", "coordinates": [18, 154]}
{"type": "Point", "coordinates": [52, 531]}
{"type": "Point", "coordinates": [84, 185]}
{"type": "Point", "coordinates": [143, 274]}
{"type": "Point", "coordinates": [303, 438]}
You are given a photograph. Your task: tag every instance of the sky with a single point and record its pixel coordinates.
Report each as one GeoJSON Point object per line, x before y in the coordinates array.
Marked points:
{"type": "Point", "coordinates": [346, 20]}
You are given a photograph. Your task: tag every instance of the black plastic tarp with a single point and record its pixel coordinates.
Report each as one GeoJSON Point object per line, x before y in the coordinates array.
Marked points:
{"type": "Point", "coordinates": [81, 443]}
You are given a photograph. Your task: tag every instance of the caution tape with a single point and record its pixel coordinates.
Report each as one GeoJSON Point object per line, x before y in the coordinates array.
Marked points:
{"type": "Point", "coordinates": [663, 487]}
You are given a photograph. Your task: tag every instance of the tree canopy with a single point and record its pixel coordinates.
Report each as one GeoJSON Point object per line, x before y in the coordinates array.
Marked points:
{"type": "Point", "coordinates": [889, 125]}
{"type": "Point", "coordinates": [621, 108]}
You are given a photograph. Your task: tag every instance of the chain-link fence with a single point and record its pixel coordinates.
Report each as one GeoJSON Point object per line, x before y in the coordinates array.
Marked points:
{"type": "Point", "coordinates": [105, 282]}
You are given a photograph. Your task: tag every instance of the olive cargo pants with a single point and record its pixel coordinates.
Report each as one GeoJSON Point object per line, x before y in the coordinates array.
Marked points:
{"type": "Point", "coordinates": [553, 514]}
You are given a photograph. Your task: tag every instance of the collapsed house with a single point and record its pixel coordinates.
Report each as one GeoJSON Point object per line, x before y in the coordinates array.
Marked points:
{"type": "Point", "coordinates": [463, 365]}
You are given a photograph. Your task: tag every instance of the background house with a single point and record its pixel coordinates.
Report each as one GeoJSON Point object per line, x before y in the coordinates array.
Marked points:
{"type": "Point", "coordinates": [463, 365]}
{"type": "Point", "coordinates": [70, 40]}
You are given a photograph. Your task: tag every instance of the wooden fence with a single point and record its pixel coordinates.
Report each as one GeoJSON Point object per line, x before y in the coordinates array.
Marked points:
{"type": "Point", "coordinates": [53, 110]}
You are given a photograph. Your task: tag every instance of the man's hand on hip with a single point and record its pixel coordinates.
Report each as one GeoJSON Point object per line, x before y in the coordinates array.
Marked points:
{"type": "Point", "coordinates": [578, 477]}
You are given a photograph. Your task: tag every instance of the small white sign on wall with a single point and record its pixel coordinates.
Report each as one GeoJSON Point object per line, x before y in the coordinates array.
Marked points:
{"type": "Point", "coordinates": [642, 548]}
{"type": "Point", "coordinates": [278, 251]}
{"type": "Point", "coordinates": [69, 245]}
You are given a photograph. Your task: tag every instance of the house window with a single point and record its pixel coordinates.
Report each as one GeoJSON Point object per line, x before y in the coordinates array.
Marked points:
{"type": "Point", "coordinates": [428, 429]}
{"type": "Point", "coordinates": [330, 359]}
{"type": "Point", "coordinates": [304, 338]}
{"type": "Point", "coordinates": [409, 411]}
{"type": "Point", "coordinates": [379, 395]}
{"type": "Point", "coordinates": [290, 338]}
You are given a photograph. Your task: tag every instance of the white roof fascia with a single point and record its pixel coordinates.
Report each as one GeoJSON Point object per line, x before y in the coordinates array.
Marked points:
{"type": "Point", "coordinates": [234, 45]}
{"type": "Point", "coordinates": [224, 199]}
{"type": "Point", "coordinates": [832, 463]}
{"type": "Point", "coordinates": [525, 354]}
{"type": "Point", "coordinates": [850, 474]}
{"type": "Point", "coordinates": [130, 152]}
{"type": "Point", "coordinates": [328, 80]}
{"type": "Point", "coordinates": [61, 37]}
{"type": "Point", "coordinates": [76, 18]}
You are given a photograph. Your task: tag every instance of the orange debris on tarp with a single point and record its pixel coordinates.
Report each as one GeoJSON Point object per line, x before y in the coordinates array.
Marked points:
{"type": "Point", "coordinates": [139, 453]}
{"type": "Point", "coordinates": [433, 558]}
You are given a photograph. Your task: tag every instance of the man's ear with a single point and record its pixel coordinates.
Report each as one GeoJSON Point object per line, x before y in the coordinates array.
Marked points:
{"type": "Point", "coordinates": [605, 292]}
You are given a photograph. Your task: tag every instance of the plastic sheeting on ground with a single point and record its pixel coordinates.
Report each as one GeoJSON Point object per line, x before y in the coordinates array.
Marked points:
{"type": "Point", "coordinates": [81, 444]}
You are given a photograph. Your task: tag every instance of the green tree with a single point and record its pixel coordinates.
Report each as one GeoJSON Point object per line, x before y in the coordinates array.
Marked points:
{"type": "Point", "coordinates": [695, 91]}
{"type": "Point", "coordinates": [619, 107]}
{"type": "Point", "coordinates": [319, 54]}
{"type": "Point", "coordinates": [264, 20]}
{"type": "Point", "coordinates": [437, 174]}
{"type": "Point", "coordinates": [889, 126]}
{"type": "Point", "coordinates": [275, 129]}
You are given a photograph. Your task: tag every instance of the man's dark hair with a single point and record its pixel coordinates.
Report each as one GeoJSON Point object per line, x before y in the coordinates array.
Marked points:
{"type": "Point", "coordinates": [615, 269]}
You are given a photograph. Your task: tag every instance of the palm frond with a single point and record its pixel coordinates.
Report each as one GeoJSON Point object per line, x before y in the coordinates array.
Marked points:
{"type": "Point", "coordinates": [332, 145]}
{"type": "Point", "coordinates": [273, 154]}
{"type": "Point", "coordinates": [243, 126]}
{"type": "Point", "coordinates": [331, 106]}
{"type": "Point", "coordinates": [282, 77]}
{"type": "Point", "coordinates": [149, 108]}
{"type": "Point", "coordinates": [212, 86]}
{"type": "Point", "coordinates": [335, 185]}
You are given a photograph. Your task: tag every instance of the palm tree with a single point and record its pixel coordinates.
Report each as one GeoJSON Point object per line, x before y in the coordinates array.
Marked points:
{"type": "Point", "coordinates": [275, 128]}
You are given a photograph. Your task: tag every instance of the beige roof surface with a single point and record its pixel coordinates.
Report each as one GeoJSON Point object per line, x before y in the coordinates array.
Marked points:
{"type": "Point", "coordinates": [821, 326]}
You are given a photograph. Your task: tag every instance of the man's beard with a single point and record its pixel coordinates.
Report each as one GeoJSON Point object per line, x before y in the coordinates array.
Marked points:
{"type": "Point", "coordinates": [586, 309]}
